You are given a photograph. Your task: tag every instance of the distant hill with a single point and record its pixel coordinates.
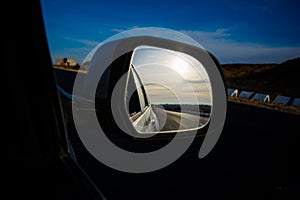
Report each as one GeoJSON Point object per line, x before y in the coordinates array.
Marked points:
{"type": "Point", "coordinates": [272, 79]}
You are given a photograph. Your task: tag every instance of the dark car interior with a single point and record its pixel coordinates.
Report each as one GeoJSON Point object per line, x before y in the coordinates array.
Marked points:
{"type": "Point", "coordinates": [256, 157]}
{"type": "Point", "coordinates": [39, 166]}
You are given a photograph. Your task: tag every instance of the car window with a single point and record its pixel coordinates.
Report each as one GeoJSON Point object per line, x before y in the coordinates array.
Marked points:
{"type": "Point", "coordinates": [253, 46]}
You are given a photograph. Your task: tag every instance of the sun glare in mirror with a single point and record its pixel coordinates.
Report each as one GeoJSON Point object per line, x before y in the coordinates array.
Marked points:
{"type": "Point", "coordinates": [172, 91]}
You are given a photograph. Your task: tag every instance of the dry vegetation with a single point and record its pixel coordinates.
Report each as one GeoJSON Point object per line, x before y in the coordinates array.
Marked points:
{"type": "Point", "coordinates": [272, 79]}
{"type": "Point", "coordinates": [243, 70]}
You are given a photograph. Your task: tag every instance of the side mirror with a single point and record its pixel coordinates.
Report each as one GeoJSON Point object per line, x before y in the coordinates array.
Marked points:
{"type": "Point", "coordinates": [149, 82]}
{"type": "Point", "coordinates": [167, 91]}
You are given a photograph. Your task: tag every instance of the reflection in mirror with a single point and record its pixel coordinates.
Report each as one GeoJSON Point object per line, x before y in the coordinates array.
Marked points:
{"type": "Point", "coordinates": [167, 91]}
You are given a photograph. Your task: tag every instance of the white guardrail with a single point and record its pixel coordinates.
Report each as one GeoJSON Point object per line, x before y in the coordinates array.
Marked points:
{"type": "Point", "coordinates": [286, 100]}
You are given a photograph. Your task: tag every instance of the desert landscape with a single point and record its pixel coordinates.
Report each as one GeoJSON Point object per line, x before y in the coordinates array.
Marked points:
{"type": "Point", "coordinates": [271, 79]}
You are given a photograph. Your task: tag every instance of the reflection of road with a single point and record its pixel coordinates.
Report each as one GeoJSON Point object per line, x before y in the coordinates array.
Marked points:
{"type": "Point", "coordinates": [171, 120]}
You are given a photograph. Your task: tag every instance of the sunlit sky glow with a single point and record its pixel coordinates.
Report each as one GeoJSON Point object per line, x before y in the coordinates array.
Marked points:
{"type": "Point", "coordinates": [258, 31]}
{"type": "Point", "coordinates": [169, 75]}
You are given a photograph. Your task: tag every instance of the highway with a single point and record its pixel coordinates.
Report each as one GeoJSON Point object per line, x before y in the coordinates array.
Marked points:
{"type": "Point", "coordinates": [256, 157]}
{"type": "Point", "coordinates": [171, 120]}
{"type": "Point", "coordinates": [157, 119]}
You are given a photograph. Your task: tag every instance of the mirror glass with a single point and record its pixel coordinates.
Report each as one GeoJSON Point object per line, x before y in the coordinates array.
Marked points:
{"type": "Point", "coordinates": [167, 91]}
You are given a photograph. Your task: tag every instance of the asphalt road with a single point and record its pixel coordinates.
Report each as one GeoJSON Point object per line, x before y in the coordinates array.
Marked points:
{"type": "Point", "coordinates": [172, 120]}
{"type": "Point", "coordinates": [256, 157]}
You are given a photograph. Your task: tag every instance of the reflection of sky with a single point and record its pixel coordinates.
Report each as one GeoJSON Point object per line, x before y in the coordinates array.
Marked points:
{"type": "Point", "coordinates": [172, 77]}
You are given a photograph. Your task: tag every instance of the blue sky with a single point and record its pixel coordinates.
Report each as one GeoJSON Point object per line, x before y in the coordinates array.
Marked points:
{"type": "Point", "coordinates": [234, 31]}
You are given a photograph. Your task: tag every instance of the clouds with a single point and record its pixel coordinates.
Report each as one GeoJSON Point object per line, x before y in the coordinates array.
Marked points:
{"type": "Point", "coordinates": [222, 44]}
{"type": "Point", "coordinates": [83, 41]}
{"type": "Point", "coordinates": [179, 93]}
{"type": "Point", "coordinates": [235, 31]}
{"type": "Point", "coordinates": [119, 30]}
{"type": "Point", "coordinates": [74, 48]}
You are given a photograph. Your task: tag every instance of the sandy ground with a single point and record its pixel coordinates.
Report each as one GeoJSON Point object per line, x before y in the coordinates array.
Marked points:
{"type": "Point", "coordinates": [272, 105]}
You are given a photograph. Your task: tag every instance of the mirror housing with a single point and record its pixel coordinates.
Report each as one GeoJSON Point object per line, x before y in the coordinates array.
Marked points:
{"type": "Point", "coordinates": [119, 50]}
